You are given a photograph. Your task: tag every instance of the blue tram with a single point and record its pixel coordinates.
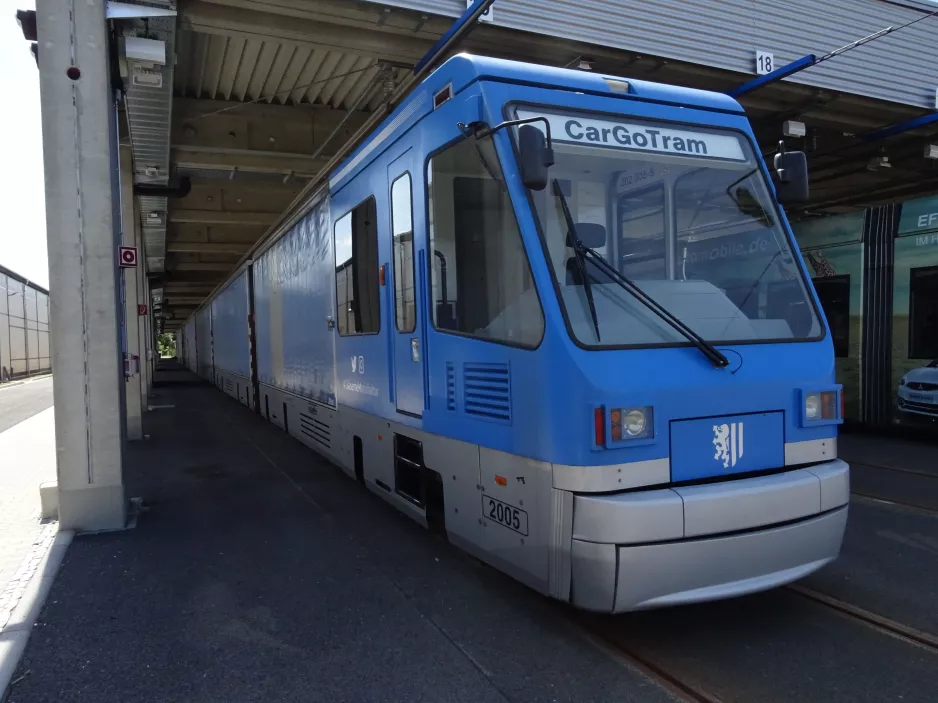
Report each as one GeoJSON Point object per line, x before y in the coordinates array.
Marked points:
{"type": "Point", "coordinates": [559, 318]}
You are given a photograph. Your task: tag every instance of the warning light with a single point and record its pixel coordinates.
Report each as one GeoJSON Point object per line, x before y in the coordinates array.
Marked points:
{"type": "Point", "coordinates": [501, 480]}
{"type": "Point", "coordinates": [381, 275]}
{"type": "Point", "coordinates": [599, 420]}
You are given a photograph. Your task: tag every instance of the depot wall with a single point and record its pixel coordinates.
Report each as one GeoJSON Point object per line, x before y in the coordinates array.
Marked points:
{"type": "Point", "coordinates": [726, 34]}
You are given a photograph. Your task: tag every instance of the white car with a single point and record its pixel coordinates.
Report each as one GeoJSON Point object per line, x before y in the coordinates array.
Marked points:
{"type": "Point", "coordinates": [918, 390]}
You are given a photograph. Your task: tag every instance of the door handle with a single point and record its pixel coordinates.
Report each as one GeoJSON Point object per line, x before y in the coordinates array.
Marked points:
{"type": "Point", "coordinates": [330, 323]}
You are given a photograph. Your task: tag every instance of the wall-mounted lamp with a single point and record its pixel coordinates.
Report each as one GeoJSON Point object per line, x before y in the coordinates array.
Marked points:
{"type": "Point", "coordinates": [793, 128]}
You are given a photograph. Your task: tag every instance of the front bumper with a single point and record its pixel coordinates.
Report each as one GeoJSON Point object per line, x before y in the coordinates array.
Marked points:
{"type": "Point", "coordinates": [921, 402]}
{"type": "Point", "coordinates": [648, 549]}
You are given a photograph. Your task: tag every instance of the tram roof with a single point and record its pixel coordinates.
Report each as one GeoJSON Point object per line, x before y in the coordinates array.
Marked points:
{"type": "Point", "coordinates": [463, 70]}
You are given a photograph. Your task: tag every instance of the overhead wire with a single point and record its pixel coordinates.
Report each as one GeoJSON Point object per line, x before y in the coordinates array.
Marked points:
{"type": "Point", "coordinates": [382, 74]}
{"type": "Point", "coordinates": [376, 64]}
{"type": "Point", "coordinates": [872, 37]}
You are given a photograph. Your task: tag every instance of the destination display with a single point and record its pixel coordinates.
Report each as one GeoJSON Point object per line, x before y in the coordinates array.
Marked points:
{"type": "Point", "coordinates": [578, 129]}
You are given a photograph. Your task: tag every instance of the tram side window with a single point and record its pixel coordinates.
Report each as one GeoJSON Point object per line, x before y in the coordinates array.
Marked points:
{"type": "Point", "coordinates": [923, 313]}
{"type": "Point", "coordinates": [356, 271]}
{"type": "Point", "coordinates": [402, 225]}
{"type": "Point", "coordinates": [480, 277]}
{"type": "Point", "coordinates": [834, 294]}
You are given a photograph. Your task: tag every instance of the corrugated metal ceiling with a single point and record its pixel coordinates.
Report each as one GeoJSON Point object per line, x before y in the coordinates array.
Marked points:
{"type": "Point", "coordinates": [222, 67]}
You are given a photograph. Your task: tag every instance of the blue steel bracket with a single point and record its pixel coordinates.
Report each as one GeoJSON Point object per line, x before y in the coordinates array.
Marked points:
{"type": "Point", "coordinates": [776, 75]}
{"type": "Point", "coordinates": [473, 13]}
{"type": "Point", "coordinates": [900, 127]}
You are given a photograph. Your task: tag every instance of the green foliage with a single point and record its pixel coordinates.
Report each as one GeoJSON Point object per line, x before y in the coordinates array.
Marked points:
{"type": "Point", "coordinates": [167, 344]}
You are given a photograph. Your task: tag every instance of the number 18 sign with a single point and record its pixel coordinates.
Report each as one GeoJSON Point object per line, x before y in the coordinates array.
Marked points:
{"type": "Point", "coordinates": [765, 63]}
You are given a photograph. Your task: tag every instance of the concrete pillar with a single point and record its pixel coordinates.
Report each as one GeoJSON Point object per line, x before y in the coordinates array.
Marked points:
{"type": "Point", "coordinates": [129, 229]}
{"type": "Point", "coordinates": [79, 152]}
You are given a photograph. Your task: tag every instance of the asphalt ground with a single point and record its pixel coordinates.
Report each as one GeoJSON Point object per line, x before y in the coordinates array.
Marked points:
{"type": "Point", "coordinates": [259, 572]}
{"type": "Point", "coordinates": [901, 454]}
{"type": "Point", "coordinates": [888, 564]}
{"type": "Point", "coordinates": [897, 470]}
{"type": "Point", "coordinates": [21, 401]}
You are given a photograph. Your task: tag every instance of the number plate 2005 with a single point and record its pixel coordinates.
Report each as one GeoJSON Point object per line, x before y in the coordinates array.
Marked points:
{"type": "Point", "coordinates": [506, 515]}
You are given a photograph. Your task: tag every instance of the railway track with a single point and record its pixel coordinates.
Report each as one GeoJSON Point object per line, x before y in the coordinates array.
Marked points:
{"type": "Point", "coordinates": [675, 685]}
{"type": "Point", "coordinates": [897, 469]}
{"type": "Point", "coordinates": [869, 619]}
{"type": "Point", "coordinates": [890, 501]}
{"type": "Point", "coordinates": [930, 509]}
{"type": "Point", "coordinates": [684, 690]}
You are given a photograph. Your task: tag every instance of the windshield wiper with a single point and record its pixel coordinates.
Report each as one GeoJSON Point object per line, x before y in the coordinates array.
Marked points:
{"type": "Point", "coordinates": [578, 250]}
{"type": "Point", "coordinates": [716, 357]}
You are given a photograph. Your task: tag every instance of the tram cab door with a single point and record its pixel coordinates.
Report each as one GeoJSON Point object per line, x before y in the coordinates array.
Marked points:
{"type": "Point", "coordinates": [406, 275]}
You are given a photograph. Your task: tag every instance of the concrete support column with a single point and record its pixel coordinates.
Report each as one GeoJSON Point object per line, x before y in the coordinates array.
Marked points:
{"type": "Point", "coordinates": [79, 145]}
{"type": "Point", "coordinates": [132, 320]}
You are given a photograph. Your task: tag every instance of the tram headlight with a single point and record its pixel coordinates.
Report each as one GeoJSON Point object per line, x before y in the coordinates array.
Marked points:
{"type": "Point", "coordinates": [822, 405]}
{"type": "Point", "coordinates": [812, 406]}
{"type": "Point", "coordinates": [631, 423]}
{"type": "Point", "coordinates": [634, 423]}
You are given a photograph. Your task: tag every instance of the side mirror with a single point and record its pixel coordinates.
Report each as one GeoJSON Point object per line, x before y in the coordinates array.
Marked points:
{"type": "Point", "coordinates": [791, 183]}
{"type": "Point", "coordinates": [535, 157]}
{"type": "Point", "coordinates": [591, 235]}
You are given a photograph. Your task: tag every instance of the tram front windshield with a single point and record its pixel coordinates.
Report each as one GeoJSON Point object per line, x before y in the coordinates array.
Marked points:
{"type": "Point", "coordinates": [686, 215]}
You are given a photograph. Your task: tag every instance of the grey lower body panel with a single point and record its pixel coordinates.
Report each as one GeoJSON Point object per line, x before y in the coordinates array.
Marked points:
{"type": "Point", "coordinates": [608, 552]}
{"type": "Point", "coordinates": [235, 385]}
{"type": "Point", "coordinates": [614, 578]}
